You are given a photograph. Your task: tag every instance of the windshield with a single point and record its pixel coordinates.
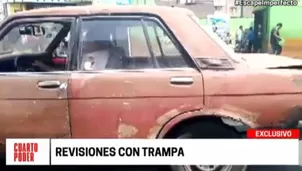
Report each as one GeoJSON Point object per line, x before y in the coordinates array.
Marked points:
{"type": "Point", "coordinates": [15, 43]}
{"type": "Point", "coordinates": [229, 50]}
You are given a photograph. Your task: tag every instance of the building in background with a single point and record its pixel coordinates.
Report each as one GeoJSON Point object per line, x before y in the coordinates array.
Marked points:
{"type": "Point", "coordinates": [125, 2]}
{"type": "Point", "coordinates": [13, 6]}
{"type": "Point", "coordinates": [2, 10]}
{"type": "Point", "coordinates": [229, 8]}
{"type": "Point", "coordinates": [205, 9]}
{"type": "Point", "coordinates": [202, 8]}
{"type": "Point", "coordinates": [266, 18]}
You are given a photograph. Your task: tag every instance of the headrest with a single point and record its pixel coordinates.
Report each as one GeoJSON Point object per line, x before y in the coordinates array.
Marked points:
{"type": "Point", "coordinates": [96, 34]}
{"type": "Point", "coordinates": [100, 44]}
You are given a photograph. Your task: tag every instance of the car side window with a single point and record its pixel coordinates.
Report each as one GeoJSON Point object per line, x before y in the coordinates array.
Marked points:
{"type": "Point", "coordinates": [17, 43]}
{"type": "Point", "coordinates": [62, 49]}
{"type": "Point", "coordinates": [162, 45]}
{"type": "Point", "coordinates": [120, 43]}
{"type": "Point", "coordinates": [31, 47]}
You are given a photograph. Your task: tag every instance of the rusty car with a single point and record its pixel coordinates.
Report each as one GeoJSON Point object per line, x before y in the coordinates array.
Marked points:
{"type": "Point", "coordinates": [157, 74]}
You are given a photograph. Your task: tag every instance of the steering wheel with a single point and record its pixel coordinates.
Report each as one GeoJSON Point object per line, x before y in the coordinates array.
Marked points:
{"type": "Point", "coordinates": [20, 68]}
{"type": "Point", "coordinates": [16, 62]}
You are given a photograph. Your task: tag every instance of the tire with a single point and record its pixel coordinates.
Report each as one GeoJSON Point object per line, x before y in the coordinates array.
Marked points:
{"type": "Point", "coordinates": [200, 130]}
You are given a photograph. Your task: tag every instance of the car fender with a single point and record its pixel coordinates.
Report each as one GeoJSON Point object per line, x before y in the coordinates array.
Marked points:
{"type": "Point", "coordinates": [230, 118]}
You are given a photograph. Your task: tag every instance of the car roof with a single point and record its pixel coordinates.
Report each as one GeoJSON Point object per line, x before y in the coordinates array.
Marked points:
{"type": "Point", "coordinates": [190, 34]}
{"type": "Point", "coordinates": [103, 9]}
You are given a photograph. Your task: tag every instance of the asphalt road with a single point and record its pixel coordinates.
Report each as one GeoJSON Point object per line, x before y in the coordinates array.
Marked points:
{"type": "Point", "coordinates": [137, 168]}
{"type": "Point", "coordinates": [133, 168]}
{"type": "Point", "coordinates": [274, 168]}
{"type": "Point", "coordinates": [166, 168]}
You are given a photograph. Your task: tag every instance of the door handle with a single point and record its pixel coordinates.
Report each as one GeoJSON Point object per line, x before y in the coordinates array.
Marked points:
{"type": "Point", "coordinates": [181, 80]}
{"type": "Point", "coordinates": [49, 84]}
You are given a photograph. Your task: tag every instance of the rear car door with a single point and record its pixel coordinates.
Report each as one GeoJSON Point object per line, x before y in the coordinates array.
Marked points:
{"type": "Point", "coordinates": [33, 104]}
{"type": "Point", "coordinates": [138, 77]}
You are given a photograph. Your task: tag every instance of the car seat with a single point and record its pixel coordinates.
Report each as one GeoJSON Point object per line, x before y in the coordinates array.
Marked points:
{"type": "Point", "coordinates": [116, 58]}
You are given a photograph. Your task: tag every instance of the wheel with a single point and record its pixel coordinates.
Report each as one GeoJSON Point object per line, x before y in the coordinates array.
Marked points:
{"type": "Point", "coordinates": [201, 130]}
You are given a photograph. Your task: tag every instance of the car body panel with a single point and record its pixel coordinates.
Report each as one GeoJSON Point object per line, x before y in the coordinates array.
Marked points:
{"type": "Point", "coordinates": [111, 104]}
{"type": "Point", "coordinates": [265, 97]}
{"type": "Point", "coordinates": [256, 98]}
{"type": "Point", "coordinates": [28, 111]}
{"type": "Point", "coordinates": [267, 61]}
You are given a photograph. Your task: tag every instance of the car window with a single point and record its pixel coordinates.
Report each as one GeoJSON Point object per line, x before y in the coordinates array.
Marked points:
{"type": "Point", "coordinates": [127, 44]}
{"type": "Point", "coordinates": [161, 43]}
{"type": "Point", "coordinates": [229, 50]}
{"type": "Point", "coordinates": [15, 43]}
{"type": "Point", "coordinates": [23, 46]}
{"type": "Point", "coordinates": [62, 49]}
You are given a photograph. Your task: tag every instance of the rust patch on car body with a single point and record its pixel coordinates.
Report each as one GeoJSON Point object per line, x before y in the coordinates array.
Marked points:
{"type": "Point", "coordinates": [167, 116]}
{"type": "Point", "coordinates": [163, 119]}
{"type": "Point", "coordinates": [298, 82]}
{"type": "Point", "coordinates": [126, 131]}
{"type": "Point", "coordinates": [242, 113]}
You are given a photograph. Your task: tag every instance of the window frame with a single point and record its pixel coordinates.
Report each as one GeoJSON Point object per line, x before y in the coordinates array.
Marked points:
{"type": "Point", "coordinates": [142, 17]}
{"type": "Point", "coordinates": [219, 42]}
{"type": "Point", "coordinates": [9, 24]}
{"type": "Point", "coordinates": [159, 42]}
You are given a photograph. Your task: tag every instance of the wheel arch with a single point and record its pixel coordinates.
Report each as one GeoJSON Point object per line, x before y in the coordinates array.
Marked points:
{"type": "Point", "coordinates": [240, 122]}
{"type": "Point", "coordinates": [293, 119]}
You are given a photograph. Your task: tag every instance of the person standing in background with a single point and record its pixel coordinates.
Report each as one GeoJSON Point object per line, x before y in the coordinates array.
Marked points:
{"type": "Point", "coordinates": [245, 41]}
{"type": "Point", "coordinates": [238, 38]}
{"type": "Point", "coordinates": [228, 39]}
{"type": "Point", "coordinates": [275, 38]}
{"type": "Point", "coordinates": [215, 29]}
{"type": "Point", "coordinates": [251, 39]}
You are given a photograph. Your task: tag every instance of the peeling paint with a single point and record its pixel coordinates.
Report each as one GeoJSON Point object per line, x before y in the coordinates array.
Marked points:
{"type": "Point", "coordinates": [154, 131]}
{"type": "Point", "coordinates": [86, 78]}
{"type": "Point", "coordinates": [227, 111]}
{"type": "Point", "coordinates": [128, 82]}
{"type": "Point", "coordinates": [126, 131]}
{"type": "Point", "coordinates": [152, 134]}
{"type": "Point", "coordinates": [250, 116]}
{"type": "Point", "coordinates": [297, 82]}
{"type": "Point", "coordinates": [167, 116]}
{"type": "Point", "coordinates": [161, 121]}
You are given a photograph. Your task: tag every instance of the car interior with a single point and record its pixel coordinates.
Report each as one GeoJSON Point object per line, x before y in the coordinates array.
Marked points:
{"type": "Point", "coordinates": [22, 62]}
{"type": "Point", "coordinates": [131, 50]}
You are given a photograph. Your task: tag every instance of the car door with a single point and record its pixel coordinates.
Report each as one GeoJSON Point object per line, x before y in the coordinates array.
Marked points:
{"type": "Point", "coordinates": [32, 104]}
{"type": "Point", "coordinates": [137, 89]}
